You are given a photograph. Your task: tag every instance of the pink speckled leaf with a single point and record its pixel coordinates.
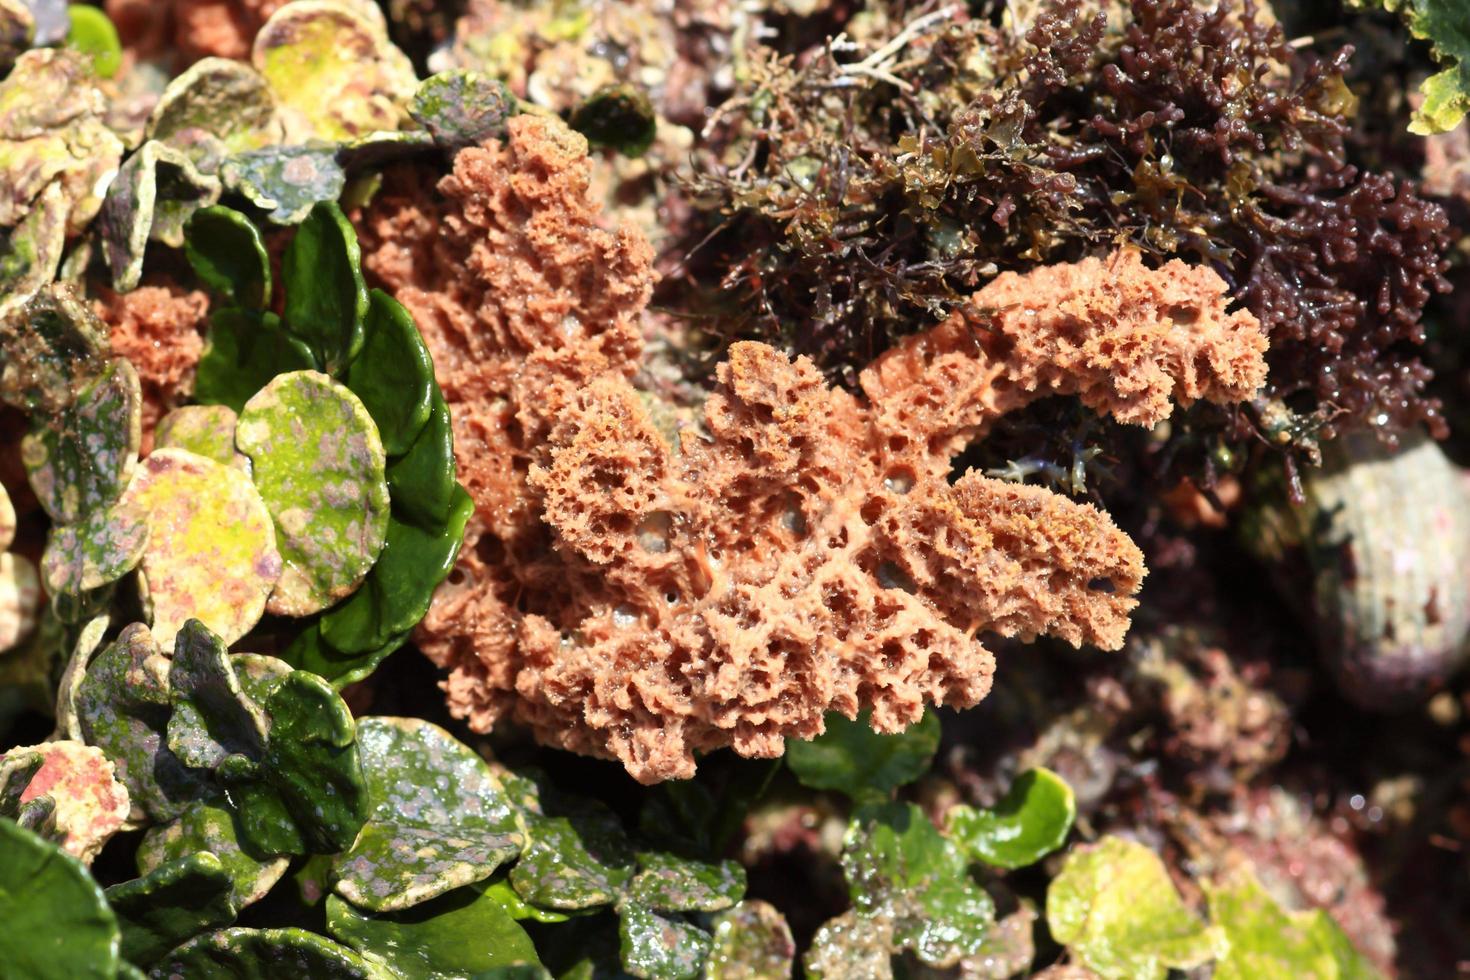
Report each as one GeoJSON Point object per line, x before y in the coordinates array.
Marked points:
{"type": "Point", "coordinates": [90, 805]}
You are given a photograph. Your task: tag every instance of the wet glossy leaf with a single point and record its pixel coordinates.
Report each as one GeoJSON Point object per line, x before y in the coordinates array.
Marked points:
{"type": "Point", "coordinates": [659, 947]}
{"type": "Point", "coordinates": [89, 805]}
{"type": "Point", "coordinates": [853, 759]}
{"type": "Point", "coordinates": [93, 553]}
{"type": "Point", "coordinates": [208, 826]}
{"type": "Point", "coordinates": [393, 374]}
{"type": "Point", "coordinates": [211, 551]}
{"type": "Point", "coordinates": [79, 461]}
{"type": "Point", "coordinates": [326, 298]}
{"type": "Point", "coordinates": [57, 923]}
{"type": "Point", "coordinates": [319, 465]}
{"type": "Point", "coordinates": [751, 942]}
{"type": "Point", "coordinates": [333, 70]}
{"type": "Point", "coordinates": [204, 430]}
{"type": "Point", "coordinates": [499, 889]}
{"type": "Point", "coordinates": [212, 716]}
{"type": "Point", "coordinates": [617, 116]}
{"type": "Point", "coordinates": [422, 480]}
{"type": "Point", "coordinates": [242, 353]}
{"type": "Point", "coordinates": [461, 933]}
{"type": "Point", "coordinates": [266, 954]}
{"type": "Point", "coordinates": [1447, 94]}
{"type": "Point", "coordinates": [1113, 906]}
{"type": "Point", "coordinates": [286, 181]}
{"type": "Point", "coordinates": [400, 587]}
{"type": "Point", "coordinates": [312, 762]}
{"type": "Point", "coordinates": [1031, 820]}
{"type": "Point", "coordinates": [1268, 943]}
{"type": "Point", "coordinates": [55, 347]}
{"type": "Point", "coordinates": [123, 708]}
{"type": "Point", "coordinates": [93, 35]}
{"type": "Point", "coordinates": [155, 192]}
{"type": "Point", "coordinates": [672, 884]}
{"type": "Point", "coordinates": [576, 861]}
{"type": "Point", "coordinates": [172, 903]}
{"type": "Point", "coordinates": [462, 108]}
{"type": "Point", "coordinates": [220, 97]}
{"type": "Point", "coordinates": [899, 868]}
{"type": "Point", "coordinates": [227, 253]}
{"type": "Point", "coordinates": [439, 818]}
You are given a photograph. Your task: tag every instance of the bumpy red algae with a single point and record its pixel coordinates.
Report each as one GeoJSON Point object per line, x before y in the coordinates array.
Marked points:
{"type": "Point", "coordinates": [801, 552]}
{"type": "Point", "coordinates": [159, 329]}
{"type": "Point", "coordinates": [192, 29]}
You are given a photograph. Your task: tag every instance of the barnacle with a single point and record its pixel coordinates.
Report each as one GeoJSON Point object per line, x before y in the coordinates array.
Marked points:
{"type": "Point", "coordinates": [805, 551]}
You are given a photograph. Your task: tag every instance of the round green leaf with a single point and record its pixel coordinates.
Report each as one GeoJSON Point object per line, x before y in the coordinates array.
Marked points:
{"type": "Point", "coordinates": [227, 253]}
{"type": "Point", "coordinates": [673, 884]}
{"type": "Point", "coordinates": [209, 826]}
{"type": "Point", "coordinates": [174, 902]}
{"type": "Point", "coordinates": [266, 954]}
{"type": "Point", "coordinates": [212, 716]}
{"type": "Point", "coordinates": [93, 553]}
{"type": "Point", "coordinates": [578, 861]}
{"type": "Point", "coordinates": [286, 181]}
{"type": "Point", "coordinates": [242, 353]}
{"type": "Point", "coordinates": [618, 116]}
{"type": "Point", "coordinates": [422, 479]}
{"type": "Point", "coordinates": [220, 97]}
{"type": "Point", "coordinates": [1113, 906]}
{"type": "Point", "coordinates": [1266, 942]}
{"type": "Point", "coordinates": [853, 759]}
{"type": "Point", "coordinates": [79, 462]}
{"type": "Point", "coordinates": [462, 108]}
{"type": "Point", "coordinates": [659, 947]}
{"type": "Point", "coordinates": [326, 298]}
{"type": "Point", "coordinates": [153, 195]}
{"type": "Point", "coordinates": [751, 940]}
{"type": "Point", "coordinates": [1031, 820]}
{"type": "Point", "coordinates": [93, 34]}
{"type": "Point", "coordinates": [461, 933]}
{"type": "Point", "coordinates": [439, 819]}
{"type": "Point", "coordinates": [393, 374]}
{"type": "Point", "coordinates": [57, 925]}
{"type": "Point", "coordinates": [204, 430]}
{"type": "Point", "coordinates": [319, 465]}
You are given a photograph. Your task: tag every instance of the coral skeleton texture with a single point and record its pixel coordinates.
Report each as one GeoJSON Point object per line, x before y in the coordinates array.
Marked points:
{"type": "Point", "coordinates": [159, 329]}
{"type": "Point", "coordinates": [804, 551]}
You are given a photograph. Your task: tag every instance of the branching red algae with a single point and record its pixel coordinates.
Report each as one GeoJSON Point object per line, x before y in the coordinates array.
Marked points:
{"type": "Point", "coordinates": [805, 551]}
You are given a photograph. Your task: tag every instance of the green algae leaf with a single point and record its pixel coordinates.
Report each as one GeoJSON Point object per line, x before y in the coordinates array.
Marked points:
{"type": "Point", "coordinates": [577, 860]}
{"type": "Point", "coordinates": [155, 192]}
{"type": "Point", "coordinates": [312, 761]}
{"type": "Point", "coordinates": [204, 430]}
{"type": "Point", "coordinates": [499, 889]}
{"type": "Point", "coordinates": [660, 947]}
{"type": "Point", "coordinates": [901, 870]}
{"type": "Point", "coordinates": [208, 825]}
{"type": "Point", "coordinates": [123, 709]}
{"type": "Point", "coordinates": [668, 883]}
{"type": "Point", "coordinates": [1445, 24]}
{"type": "Point", "coordinates": [461, 933]}
{"type": "Point", "coordinates": [30, 251]}
{"type": "Point", "coordinates": [333, 70]}
{"type": "Point", "coordinates": [93, 553]}
{"type": "Point", "coordinates": [54, 348]}
{"type": "Point", "coordinates": [399, 588]}
{"type": "Point", "coordinates": [751, 942]}
{"type": "Point", "coordinates": [1268, 943]}
{"type": "Point", "coordinates": [1113, 906]}
{"type": "Point", "coordinates": [211, 552]}
{"type": "Point", "coordinates": [617, 116]}
{"type": "Point", "coordinates": [462, 108]}
{"type": "Point", "coordinates": [855, 760]}
{"type": "Point", "coordinates": [242, 353]}
{"type": "Point", "coordinates": [93, 34]}
{"type": "Point", "coordinates": [267, 954]}
{"type": "Point", "coordinates": [287, 182]}
{"type": "Point", "coordinates": [68, 689]}
{"type": "Point", "coordinates": [79, 462]}
{"type": "Point", "coordinates": [174, 902]}
{"type": "Point", "coordinates": [326, 298]}
{"type": "Point", "coordinates": [220, 98]}
{"type": "Point", "coordinates": [439, 818]}
{"type": "Point", "coordinates": [393, 374]}
{"type": "Point", "coordinates": [57, 922]}
{"type": "Point", "coordinates": [1030, 821]}
{"type": "Point", "coordinates": [319, 465]}
{"type": "Point", "coordinates": [422, 479]}
{"type": "Point", "coordinates": [226, 251]}
{"type": "Point", "coordinates": [212, 716]}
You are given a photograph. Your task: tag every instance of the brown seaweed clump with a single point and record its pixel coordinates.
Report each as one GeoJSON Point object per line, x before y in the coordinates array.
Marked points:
{"type": "Point", "coordinates": [805, 550]}
{"type": "Point", "coordinates": [158, 329]}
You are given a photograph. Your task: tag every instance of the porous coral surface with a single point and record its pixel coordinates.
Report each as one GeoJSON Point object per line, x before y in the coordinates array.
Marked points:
{"type": "Point", "coordinates": [159, 329]}
{"type": "Point", "coordinates": [802, 551]}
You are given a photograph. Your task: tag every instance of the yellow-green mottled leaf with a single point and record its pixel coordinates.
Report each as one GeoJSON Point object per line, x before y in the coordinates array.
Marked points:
{"type": "Point", "coordinates": [93, 34]}
{"type": "Point", "coordinates": [319, 465]}
{"type": "Point", "coordinates": [204, 430]}
{"type": "Point", "coordinates": [211, 551]}
{"type": "Point", "coordinates": [1268, 943]}
{"type": "Point", "coordinates": [94, 552]}
{"type": "Point", "coordinates": [1113, 906]}
{"type": "Point", "coordinates": [221, 97]}
{"type": "Point", "coordinates": [751, 942]}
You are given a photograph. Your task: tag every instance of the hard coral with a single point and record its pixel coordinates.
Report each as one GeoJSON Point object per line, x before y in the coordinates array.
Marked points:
{"type": "Point", "coordinates": [158, 329]}
{"type": "Point", "coordinates": [806, 552]}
